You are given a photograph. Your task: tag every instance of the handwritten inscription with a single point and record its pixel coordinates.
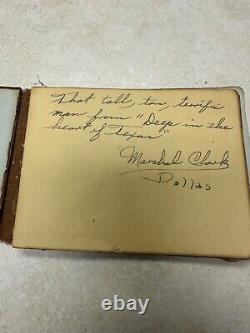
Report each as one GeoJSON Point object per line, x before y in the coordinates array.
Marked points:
{"type": "Point", "coordinates": [201, 106]}
{"type": "Point", "coordinates": [103, 117]}
{"type": "Point", "coordinates": [125, 100]}
{"type": "Point", "coordinates": [166, 177]}
{"type": "Point", "coordinates": [196, 159]}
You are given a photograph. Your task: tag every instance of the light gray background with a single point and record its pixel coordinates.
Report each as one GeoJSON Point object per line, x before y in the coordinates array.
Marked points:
{"type": "Point", "coordinates": [123, 44]}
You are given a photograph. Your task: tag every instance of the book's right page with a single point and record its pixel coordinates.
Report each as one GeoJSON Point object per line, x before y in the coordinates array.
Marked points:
{"type": "Point", "coordinates": [146, 171]}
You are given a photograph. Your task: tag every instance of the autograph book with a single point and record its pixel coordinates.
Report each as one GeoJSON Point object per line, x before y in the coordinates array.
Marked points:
{"type": "Point", "coordinates": [131, 170]}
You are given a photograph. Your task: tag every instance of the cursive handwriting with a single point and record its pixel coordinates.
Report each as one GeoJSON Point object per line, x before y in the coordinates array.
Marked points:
{"type": "Point", "coordinates": [163, 124]}
{"type": "Point", "coordinates": [126, 100]}
{"type": "Point", "coordinates": [134, 157]}
{"type": "Point", "coordinates": [71, 97]}
{"type": "Point", "coordinates": [106, 115]}
{"type": "Point", "coordinates": [58, 113]}
{"type": "Point", "coordinates": [123, 100]}
{"type": "Point", "coordinates": [167, 177]}
{"type": "Point", "coordinates": [121, 130]}
{"type": "Point", "coordinates": [60, 125]}
{"type": "Point", "coordinates": [99, 115]}
{"type": "Point", "coordinates": [201, 106]}
{"type": "Point", "coordinates": [197, 159]}
{"type": "Point", "coordinates": [220, 125]}
{"type": "Point", "coordinates": [150, 101]}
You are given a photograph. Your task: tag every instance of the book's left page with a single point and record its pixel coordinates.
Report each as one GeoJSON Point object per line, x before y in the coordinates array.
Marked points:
{"type": "Point", "coordinates": [9, 98]}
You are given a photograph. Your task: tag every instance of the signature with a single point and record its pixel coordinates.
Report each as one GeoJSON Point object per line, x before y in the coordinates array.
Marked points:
{"type": "Point", "coordinates": [196, 159]}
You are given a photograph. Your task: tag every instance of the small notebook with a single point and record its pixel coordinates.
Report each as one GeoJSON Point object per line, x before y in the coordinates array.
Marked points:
{"type": "Point", "coordinates": [137, 171]}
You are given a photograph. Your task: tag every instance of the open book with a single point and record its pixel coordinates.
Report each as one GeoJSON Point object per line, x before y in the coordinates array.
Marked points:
{"type": "Point", "coordinates": [135, 171]}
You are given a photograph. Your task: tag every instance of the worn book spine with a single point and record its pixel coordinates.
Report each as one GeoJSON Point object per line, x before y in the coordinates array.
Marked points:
{"type": "Point", "coordinates": [7, 214]}
{"type": "Point", "coordinates": [5, 176]}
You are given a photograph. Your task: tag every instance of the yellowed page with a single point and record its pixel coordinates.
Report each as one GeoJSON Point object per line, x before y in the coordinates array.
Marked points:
{"type": "Point", "coordinates": [147, 171]}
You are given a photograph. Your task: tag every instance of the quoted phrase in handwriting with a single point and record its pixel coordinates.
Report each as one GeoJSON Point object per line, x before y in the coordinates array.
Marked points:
{"type": "Point", "coordinates": [150, 120]}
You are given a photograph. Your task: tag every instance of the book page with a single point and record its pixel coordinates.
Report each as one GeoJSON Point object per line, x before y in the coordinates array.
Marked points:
{"type": "Point", "coordinates": [142, 171]}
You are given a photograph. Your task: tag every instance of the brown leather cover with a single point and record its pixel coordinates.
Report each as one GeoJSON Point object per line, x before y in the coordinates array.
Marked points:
{"type": "Point", "coordinates": [7, 214]}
